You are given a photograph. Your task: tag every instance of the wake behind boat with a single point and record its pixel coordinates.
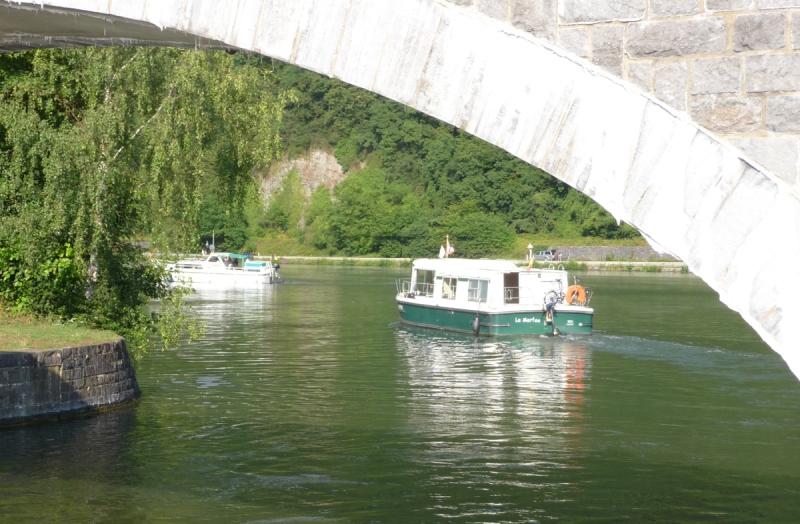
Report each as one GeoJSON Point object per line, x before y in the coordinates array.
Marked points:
{"type": "Point", "coordinates": [224, 270]}
{"type": "Point", "coordinates": [493, 297]}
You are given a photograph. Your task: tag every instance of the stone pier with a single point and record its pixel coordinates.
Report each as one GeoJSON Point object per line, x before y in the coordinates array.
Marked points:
{"type": "Point", "coordinates": [50, 384]}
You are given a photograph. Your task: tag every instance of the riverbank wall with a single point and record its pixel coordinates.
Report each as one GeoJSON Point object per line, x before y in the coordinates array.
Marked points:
{"type": "Point", "coordinates": [654, 266]}
{"type": "Point", "coordinates": [58, 383]}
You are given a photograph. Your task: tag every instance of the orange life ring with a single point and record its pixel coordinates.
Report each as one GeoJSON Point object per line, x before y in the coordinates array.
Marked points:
{"type": "Point", "coordinates": [576, 294]}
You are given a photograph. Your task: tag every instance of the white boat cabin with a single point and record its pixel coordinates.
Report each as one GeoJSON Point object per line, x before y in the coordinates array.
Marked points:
{"type": "Point", "coordinates": [493, 284]}
{"type": "Point", "coordinates": [221, 262]}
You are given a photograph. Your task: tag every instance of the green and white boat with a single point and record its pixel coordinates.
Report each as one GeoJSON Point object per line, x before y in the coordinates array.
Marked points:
{"type": "Point", "coordinates": [493, 297]}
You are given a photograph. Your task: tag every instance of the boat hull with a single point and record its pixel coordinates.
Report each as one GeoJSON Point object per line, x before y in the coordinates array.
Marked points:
{"type": "Point", "coordinates": [533, 322]}
{"type": "Point", "coordinates": [222, 280]}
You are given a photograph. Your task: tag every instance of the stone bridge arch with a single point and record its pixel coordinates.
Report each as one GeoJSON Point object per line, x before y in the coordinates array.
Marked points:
{"type": "Point", "coordinates": [733, 222]}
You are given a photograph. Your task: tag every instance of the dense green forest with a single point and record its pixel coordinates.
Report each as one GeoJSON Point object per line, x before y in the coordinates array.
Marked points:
{"type": "Point", "coordinates": [102, 147]}
{"type": "Point", "coordinates": [103, 150]}
{"type": "Point", "coordinates": [413, 180]}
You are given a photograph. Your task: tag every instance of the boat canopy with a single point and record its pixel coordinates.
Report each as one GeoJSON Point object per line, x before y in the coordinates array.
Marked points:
{"type": "Point", "coordinates": [235, 256]}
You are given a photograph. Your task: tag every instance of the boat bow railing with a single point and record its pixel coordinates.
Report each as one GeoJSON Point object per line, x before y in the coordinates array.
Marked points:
{"type": "Point", "coordinates": [405, 287]}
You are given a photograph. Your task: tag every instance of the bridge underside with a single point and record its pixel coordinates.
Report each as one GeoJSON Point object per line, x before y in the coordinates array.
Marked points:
{"type": "Point", "coordinates": [23, 28]}
{"type": "Point", "coordinates": [734, 224]}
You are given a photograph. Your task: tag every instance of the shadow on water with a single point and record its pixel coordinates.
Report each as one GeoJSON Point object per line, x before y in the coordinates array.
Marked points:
{"type": "Point", "coordinates": [70, 466]}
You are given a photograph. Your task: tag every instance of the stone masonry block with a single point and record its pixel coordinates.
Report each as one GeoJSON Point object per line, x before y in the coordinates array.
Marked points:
{"type": "Point", "coordinates": [778, 154]}
{"type": "Point", "coordinates": [577, 40]}
{"type": "Point", "coordinates": [729, 5]}
{"type": "Point", "coordinates": [669, 84]}
{"type": "Point", "coordinates": [783, 114]}
{"type": "Point", "coordinates": [607, 47]}
{"type": "Point", "coordinates": [759, 31]}
{"type": "Point", "coordinates": [796, 30]}
{"type": "Point", "coordinates": [641, 74]}
{"type": "Point", "coordinates": [766, 73]}
{"type": "Point", "coordinates": [676, 37]}
{"type": "Point", "coordinates": [776, 4]}
{"type": "Point", "coordinates": [674, 7]}
{"type": "Point", "coordinates": [15, 360]}
{"type": "Point", "coordinates": [727, 113]}
{"type": "Point", "coordinates": [715, 75]}
{"type": "Point", "coordinates": [591, 11]}
{"type": "Point", "coordinates": [494, 8]}
{"type": "Point", "coordinates": [537, 17]}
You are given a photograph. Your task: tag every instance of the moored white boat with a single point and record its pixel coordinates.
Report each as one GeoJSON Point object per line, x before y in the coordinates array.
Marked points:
{"type": "Point", "coordinates": [493, 297]}
{"type": "Point", "coordinates": [224, 270]}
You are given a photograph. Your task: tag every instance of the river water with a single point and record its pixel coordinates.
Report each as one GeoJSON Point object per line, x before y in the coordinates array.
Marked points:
{"type": "Point", "coordinates": [308, 403]}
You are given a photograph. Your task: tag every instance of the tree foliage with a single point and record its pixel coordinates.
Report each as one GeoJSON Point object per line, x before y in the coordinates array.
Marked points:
{"type": "Point", "coordinates": [424, 179]}
{"type": "Point", "coordinates": [99, 146]}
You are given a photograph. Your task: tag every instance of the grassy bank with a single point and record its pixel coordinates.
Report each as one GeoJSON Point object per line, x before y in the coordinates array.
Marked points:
{"type": "Point", "coordinates": [570, 265]}
{"type": "Point", "coordinates": [287, 245]}
{"type": "Point", "coordinates": [19, 332]}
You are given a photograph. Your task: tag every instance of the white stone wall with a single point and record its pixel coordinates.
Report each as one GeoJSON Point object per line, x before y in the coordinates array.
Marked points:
{"type": "Point", "coordinates": [732, 65]}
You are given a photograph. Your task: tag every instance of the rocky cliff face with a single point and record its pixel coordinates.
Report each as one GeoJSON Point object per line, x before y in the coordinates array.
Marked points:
{"type": "Point", "coordinates": [317, 168]}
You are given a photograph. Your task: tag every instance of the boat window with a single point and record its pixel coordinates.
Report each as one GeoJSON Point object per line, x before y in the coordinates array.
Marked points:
{"type": "Point", "coordinates": [511, 288]}
{"type": "Point", "coordinates": [424, 285]}
{"type": "Point", "coordinates": [449, 287]}
{"type": "Point", "coordinates": [213, 259]}
{"type": "Point", "coordinates": [478, 290]}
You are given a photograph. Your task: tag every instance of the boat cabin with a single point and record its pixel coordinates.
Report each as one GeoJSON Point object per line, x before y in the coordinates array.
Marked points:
{"type": "Point", "coordinates": [499, 284]}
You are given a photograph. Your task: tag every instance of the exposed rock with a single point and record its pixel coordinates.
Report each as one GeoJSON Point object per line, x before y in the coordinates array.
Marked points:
{"type": "Point", "coordinates": [317, 168]}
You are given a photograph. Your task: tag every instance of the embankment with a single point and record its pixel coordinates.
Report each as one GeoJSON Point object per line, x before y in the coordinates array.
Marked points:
{"type": "Point", "coordinates": [51, 384]}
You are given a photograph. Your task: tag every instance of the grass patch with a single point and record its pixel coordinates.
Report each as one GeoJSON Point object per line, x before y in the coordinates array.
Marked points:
{"type": "Point", "coordinates": [282, 244]}
{"type": "Point", "coordinates": [348, 261]}
{"type": "Point", "coordinates": [22, 332]}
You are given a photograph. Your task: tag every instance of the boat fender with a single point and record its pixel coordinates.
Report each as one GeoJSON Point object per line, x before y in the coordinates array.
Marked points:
{"type": "Point", "coordinates": [576, 294]}
{"type": "Point", "coordinates": [476, 325]}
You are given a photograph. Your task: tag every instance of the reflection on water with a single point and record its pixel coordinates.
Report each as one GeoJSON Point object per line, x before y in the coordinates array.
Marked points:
{"type": "Point", "coordinates": [306, 401]}
{"type": "Point", "coordinates": [496, 417]}
{"type": "Point", "coordinates": [458, 381]}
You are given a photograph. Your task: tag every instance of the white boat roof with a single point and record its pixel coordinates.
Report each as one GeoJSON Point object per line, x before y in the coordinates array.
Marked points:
{"type": "Point", "coordinates": [465, 265]}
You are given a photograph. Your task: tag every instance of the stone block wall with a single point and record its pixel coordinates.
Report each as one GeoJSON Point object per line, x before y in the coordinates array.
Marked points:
{"type": "Point", "coordinates": [42, 384]}
{"type": "Point", "coordinates": [732, 65]}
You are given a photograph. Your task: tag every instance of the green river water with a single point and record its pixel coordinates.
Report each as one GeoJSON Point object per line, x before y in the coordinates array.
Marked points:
{"type": "Point", "coordinates": [309, 403]}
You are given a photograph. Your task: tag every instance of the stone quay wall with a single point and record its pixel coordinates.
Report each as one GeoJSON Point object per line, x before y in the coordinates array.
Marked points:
{"type": "Point", "coordinates": [732, 65]}
{"type": "Point", "coordinates": [51, 384]}
{"type": "Point", "coordinates": [611, 253]}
